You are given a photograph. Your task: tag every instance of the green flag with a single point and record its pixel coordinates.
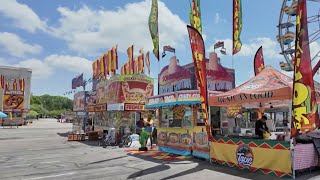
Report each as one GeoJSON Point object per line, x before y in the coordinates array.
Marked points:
{"type": "Point", "coordinates": [195, 15]}
{"type": "Point", "coordinates": [153, 27]}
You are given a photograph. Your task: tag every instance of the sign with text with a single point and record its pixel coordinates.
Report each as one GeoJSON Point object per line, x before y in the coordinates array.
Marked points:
{"type": "Point", "coordinates": [134, 107]}
{"type": "Point", "coordinates": [115, 107]}
{"type": "Point", "coordinates": [100, 108]}
{"type": "Point", "coordinates": [13, 101]}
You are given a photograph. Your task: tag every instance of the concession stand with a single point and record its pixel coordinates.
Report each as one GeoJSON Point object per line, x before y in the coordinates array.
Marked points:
{"type": "Point", "coordinates": [123, 97]}
{"type": "Point", "coordinates": [269, 93]}
{"type": "Point", "coordinates": [181, 129]}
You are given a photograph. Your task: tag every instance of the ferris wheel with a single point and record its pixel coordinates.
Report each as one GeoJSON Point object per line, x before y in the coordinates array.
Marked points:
{"type": "Point", "coordinates": [287, 30]}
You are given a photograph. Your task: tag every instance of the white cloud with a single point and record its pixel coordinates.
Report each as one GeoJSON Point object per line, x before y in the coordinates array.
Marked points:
{"type": "Point", "coordinates": [89, 31]}
{"type": "Point", "coordinates": [22, 15]}
{"type": "Point", "coordinates": [270, 48]}
{"type": "Point", "coordinates": [15, 46]}
{"type": "Point", "coordinates": [70, 63]}
{"type": "Point", "coordinates": [40, 70]}
{"type": "Point", "coordinates": [43, 69]}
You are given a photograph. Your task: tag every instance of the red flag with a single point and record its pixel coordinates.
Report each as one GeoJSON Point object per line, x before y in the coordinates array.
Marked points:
{"type": "Point", "coordinates": [258, 61]}
{"type": "Point", "coordinates": [148, 62]}
{"type": "Point", "coordinates": [115, 57]}
{"type": "Point", "coordinates": [199, 60]}
{"type": "Point", "coordinates": [304, 107]}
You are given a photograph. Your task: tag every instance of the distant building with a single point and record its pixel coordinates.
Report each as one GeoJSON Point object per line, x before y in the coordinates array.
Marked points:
{"type": "Point", "coordinates": [15, 90]}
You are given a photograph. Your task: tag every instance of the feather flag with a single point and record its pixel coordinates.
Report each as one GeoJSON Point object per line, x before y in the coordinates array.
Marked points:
{"type": "Point", "coordinates": [115, 58]}
{"type": "Point", "coordinates": [147, 62]}
{"type": "Point", "coordinates": [102, 72]}
{"type": "Point", "coordinates": [237, 26]}
{"type": "Point", "coordinates": [130, 56]}
{"type": "Point", "coordinates": [105, 65]}
{"type": "Point", "coordinates": [195, 15]}
{"type": "Point", "coordinates": [198, 54]}
{"type": "Point", "coordinates": [7, 86]}
{"type": "Point", "coordinates": [15, 85]}
{"type": "Point", "coordinates": [123, 69]}
{"type": "Point", "coordinates": [109, 54]}
{"type": "Point", "coordinates": [153, 27]}
{"type": "Point", "coordinates": [304, 106]}
{"type": "Point", "coordinates": [136, 65]}
{"type": "Point", "coordinates": [258, 61]}
{"type": "Point", "coordinates": [2, 82]}
{"type": "Point", "coordinates": [21, 84]}
{"type": "Point", "coordinates": [98, 69]}
{"type": "Point", "coordinates": [141, 61]}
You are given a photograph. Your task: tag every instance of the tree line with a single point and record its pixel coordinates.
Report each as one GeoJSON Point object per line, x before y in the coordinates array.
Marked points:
{"type": "Point", "coordinates": [47, 105]}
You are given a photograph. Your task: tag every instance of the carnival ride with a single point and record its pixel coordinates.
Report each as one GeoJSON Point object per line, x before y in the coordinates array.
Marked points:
{"type": "Point", "coordinates": [287, 28]}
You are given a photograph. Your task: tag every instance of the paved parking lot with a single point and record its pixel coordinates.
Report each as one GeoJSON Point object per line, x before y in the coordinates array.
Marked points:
{"type": "Point", "coordinates": [41, 151]}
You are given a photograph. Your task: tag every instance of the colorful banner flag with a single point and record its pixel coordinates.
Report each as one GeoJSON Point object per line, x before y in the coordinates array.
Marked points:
{"type": "Point", "coordinates": [304, 107]}
{"type": "Point", "coordinates": [21, 84]}
{"type": "Point", "coordinates": [195, 15]}
{"type": "Point", "coordinates": [148, 62]}
{"type": "Point", "coordinates": [109, 60]}
{"type": "Point", "coordinates": [7, 86]}
{"type": "Point", "coordinates": [2, 83]}
{"type": "Point", "coordinates": [130, 57]}
{"type": "Point", "coordinates": [153, 27]}
{"type": "Point", "coordinates": [114, 59]}
{"type": "Point", "coordinates": [258, 61]}
{"type": "Point", "coordinates": [15, 85]}
{"type": "Point", "coordinates": [102, 69]}
{"type": "Point", "coordinates": [237, 26]}
{"type": "Point", "coordinates": [136, 65]}
{"type": "Point", "coordinates": [199, 60]}
{"type": "Point", "coordinates": [141, 61]}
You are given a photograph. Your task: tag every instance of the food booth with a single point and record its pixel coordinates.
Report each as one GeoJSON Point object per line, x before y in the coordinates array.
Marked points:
{"type": "Point", "coordinates": [124, 97]}
{"type": "Point", "coordinates": [270, 92]}
{"type": "Point", "coordinates": [181, 129]}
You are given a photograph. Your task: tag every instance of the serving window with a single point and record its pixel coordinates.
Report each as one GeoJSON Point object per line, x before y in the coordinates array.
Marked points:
{"type": "Point", "coordinates": [176, 116]}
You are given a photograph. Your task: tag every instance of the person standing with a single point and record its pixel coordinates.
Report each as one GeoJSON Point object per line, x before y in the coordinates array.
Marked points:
{"type": "Point", "coordinates": [154, 134]}
{"type": "Point", "coordinates": [261, 126]}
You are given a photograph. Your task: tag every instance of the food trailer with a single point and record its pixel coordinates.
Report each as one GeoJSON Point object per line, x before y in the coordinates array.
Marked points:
{"type": "Point", "coordinates": [181, 129]}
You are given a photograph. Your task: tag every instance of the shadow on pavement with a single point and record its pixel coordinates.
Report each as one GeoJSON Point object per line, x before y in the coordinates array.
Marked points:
{"type": "Point", "coordinates": [206, 165]}
{"type": "Point", "coordinates": [102, 161]}
{"type": "Point", "coordinates": [155, 169]}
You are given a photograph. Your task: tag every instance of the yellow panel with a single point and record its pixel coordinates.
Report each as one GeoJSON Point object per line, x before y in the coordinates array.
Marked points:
{"type": "Point", "coordinates": [263, 158]}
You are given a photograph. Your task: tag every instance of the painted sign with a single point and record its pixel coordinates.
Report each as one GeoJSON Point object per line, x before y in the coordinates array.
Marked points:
{"type": "Point", "coordinates": [270, 157]}
{"type": "Point", "coordinates": [90, 108]}
{"type": "Point", "coordinates": [233, 111]}
{"type": "Point", "coordinates": [219, 78]}
{"type": "Point", "coordinates": [13, 101]}
{"type": "Point", "coordinates": [173, 137]}
{"type": "Point", "coordinates": [174, 78]}
{"type": "Point", "coordinates": [244, 155]}
{"type": "Point", "coordinates": [91, 98]}
{"type": "Point", "coordinates": [78, 101]}
{"type": "Point", "coordinates": [135, 88]}
{"type": "Point", "coordinates": [188, 96]}
{"type": "Point", "coordinates": [134, 107]}
{"type": "Point", "coordinates": [100, 108]}
{"type": "Point", "coordinates": [162, 99]}
{"type": "Point", "coordinates": [130, 88]}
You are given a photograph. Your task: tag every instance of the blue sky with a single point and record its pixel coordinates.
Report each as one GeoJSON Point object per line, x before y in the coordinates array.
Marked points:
{"type": "Point", "coordinates": [59, 39]}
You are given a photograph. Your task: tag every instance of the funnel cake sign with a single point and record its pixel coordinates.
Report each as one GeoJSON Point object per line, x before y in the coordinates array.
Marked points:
{"type": "Point", "coordinates": [131, 88]}
{"type": "Point", "coordinates": [13, 101]}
